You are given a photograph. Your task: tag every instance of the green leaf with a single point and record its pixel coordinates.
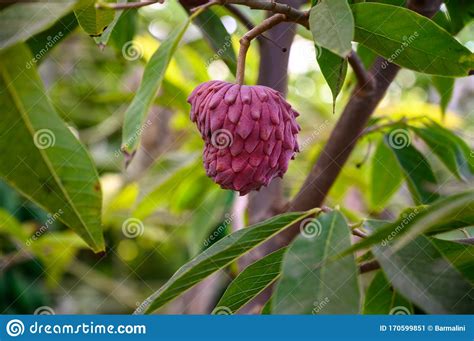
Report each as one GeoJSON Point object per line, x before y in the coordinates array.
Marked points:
{"type": "Point", "coordinates": [445, 87]}
{"type": "Point", "coordinates": [125, 29]}
{"type": "Point", "coordinates": [442, 215]}
{"type": "Point", "coordinates": [218, 256]}
{"type": "Point", "coordinates": [418, 173]}
{"type": "Point", "coordinates": [333, 68]}
{"type": "Point", "coordinates": [23, 20]}
{"type": "Point", "coordinates": [450, 149]}
{"type": "Point", "coordinates": [310, 284]}
{"type": "Point", "coordinates": [165, 188]}
{"type": "Point", "coordinates": [381, 299]}
{"type": "Point", "coordinates": [41, 158]}
{"type": "Point", "coordinates": [332, 26]}
{"type": "Point", "coordinates": [385, 177]}
{"type": "Point", "coordinates": [93, 21]}
{"type": "Point", "coordinates": [151, 82]}
{"type": "Point", "coordinates": [460, 255]}
{"type": "Point", "coordinates": [366, 55]}
{"type": "Point", "coordinates": [103, 39]}
{"type": "Point", "coordinates": [423, 275]}
{"type": "Point", "coordinates": [216, 35]}
{"type": "Point", "coordinates": [461, 13]}
{"type": "Point", "coordinates": [417, 44]}
{"type": "Point", "coordinates": [42, 43]}
{"type": "Point", "coordinates": [252, 281]}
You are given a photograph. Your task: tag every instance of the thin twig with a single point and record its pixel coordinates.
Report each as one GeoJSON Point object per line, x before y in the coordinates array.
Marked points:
{"type": "Point", "coordinates": [359, 233]}
{"type": "Point", "coordinates": [105, 5]}
{"type": "Point", "coordinates": [247, 38]}
{"type": "Point", "coordinates": [205, 6]}
{"type": "Point", "coordinates": [369, 266]}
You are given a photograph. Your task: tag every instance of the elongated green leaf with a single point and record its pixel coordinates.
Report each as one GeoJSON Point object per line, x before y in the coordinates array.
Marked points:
{"type": "Point", "coordinates": [40, 156]}
{"type": "Point", "coordinates": [151, 82]}
{"type": "Point", "coordinates": [386, 176]}
{"type": "Point", "coordinates": [418, 173]}
{"type": "Point", "coordinates": [21, 21]}
{"type": "Point", "coordinates": [42, 43]}
{"type": "Point", "coordinates": [460, 255]}
{"type": "Point", "coordinates": [93, 21]}
{"type": "Point", "coordinates": [333, 68]}
{"type": "Point", "coordinates": [332, 25]}
{"type": "Point", "coordinates": [419, 44]}
{"type": "Point", "coordinates": [125, 29]}
{"type": "Point", "coordinates": [423, 275]}
{"type": "Point", "coordinates": [252, 281]}
{"type": "Point", "coordinates": [309, 284]}
{"type": "Point", "coordinates": [449, 148]}
{"type": "Point", "coordinates": [444, 86]}
{"type": "Point", "coordinates": [381, 299]}
{"type": "Point", "coordinates": [218, 256]}
{"type": "Point", "coordinates": [218, 38]}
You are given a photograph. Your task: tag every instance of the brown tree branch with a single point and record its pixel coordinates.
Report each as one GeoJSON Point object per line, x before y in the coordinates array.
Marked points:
{"type": "Point", "coordinates": [247, 38]}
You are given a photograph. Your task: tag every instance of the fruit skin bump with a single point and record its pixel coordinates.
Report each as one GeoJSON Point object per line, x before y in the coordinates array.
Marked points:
{"type": "Point", "coordinates": [249, 133]}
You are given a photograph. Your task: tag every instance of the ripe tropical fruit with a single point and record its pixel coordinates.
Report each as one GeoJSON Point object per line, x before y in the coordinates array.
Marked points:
{"type": "Point", "coordinates": [249, 133]}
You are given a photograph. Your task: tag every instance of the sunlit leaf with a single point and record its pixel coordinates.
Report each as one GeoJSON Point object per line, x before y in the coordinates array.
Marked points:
{"type": "Point", "coordinates": [41, 158]}
{"type": "Point", "coordinates": [93, 20]}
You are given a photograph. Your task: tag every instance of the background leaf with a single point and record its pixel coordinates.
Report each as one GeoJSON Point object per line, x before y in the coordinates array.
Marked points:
{"type": "Point", "coordinates": [251, 281]}
{"type": "Point", "coordinates": [386, 176]}
{"type": "Point", "coordinates": [63, 180]}
{"type": "Point", "coordinates": [445, 87]}
{"type": "Point", "coordinates": [151, 82]}
{"type": "Point", "coordinates": [382, 299]}
{"type": "Point", "coordinates": [419, 44]}
{"type": "Point", "coordinates": [418, 173]}
{"type": "Point", "coordinates": [23, 20]}
{"type": "Point", "coordinates": [216, 35]}
{"type": "Point", "coordinates": [332, 26]}
{"type": "Point", "coordinates": [310, 284]}
{"type": "Point", "coordinates": [421, 273]}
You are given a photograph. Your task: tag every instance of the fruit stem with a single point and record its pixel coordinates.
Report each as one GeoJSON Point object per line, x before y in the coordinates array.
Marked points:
{"type": "Point", "coordinates": [247, 38]}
